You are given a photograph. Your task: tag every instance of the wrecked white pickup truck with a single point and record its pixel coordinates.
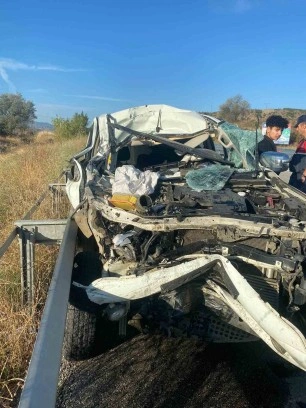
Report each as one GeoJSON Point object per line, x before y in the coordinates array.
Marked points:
{"type": "Point", "coordinates": [183, 230]}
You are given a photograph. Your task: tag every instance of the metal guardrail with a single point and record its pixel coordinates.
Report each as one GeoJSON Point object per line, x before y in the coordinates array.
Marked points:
{"type": "Point", "coordinates": [41, 382]}
{"type": "Point", "coordinates": [32, 232]}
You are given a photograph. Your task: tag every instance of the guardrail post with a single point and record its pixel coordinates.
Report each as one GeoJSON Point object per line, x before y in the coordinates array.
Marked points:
{"type": "Point", "coordinates": [27, 257]}
{"type": "Point", "coordinates": [32, 233]}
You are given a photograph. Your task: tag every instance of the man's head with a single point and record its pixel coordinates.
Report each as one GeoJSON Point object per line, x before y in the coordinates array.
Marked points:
{"type": "Point", "coordinates": [275, 125]}
{"type": "Point", "coordinates": [301, 125]}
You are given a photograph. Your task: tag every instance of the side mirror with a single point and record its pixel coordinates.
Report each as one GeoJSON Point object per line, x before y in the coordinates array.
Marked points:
{"type": "Point", "coordinates": [275, 161]}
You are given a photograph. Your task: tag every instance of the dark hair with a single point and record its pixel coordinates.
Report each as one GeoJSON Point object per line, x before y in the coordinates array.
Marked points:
{"type": "Point", "coordinates": [278, 121]}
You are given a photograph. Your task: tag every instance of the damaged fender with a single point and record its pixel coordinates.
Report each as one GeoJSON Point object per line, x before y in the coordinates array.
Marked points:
{"type": "Point", "coordinates": [278, 333]}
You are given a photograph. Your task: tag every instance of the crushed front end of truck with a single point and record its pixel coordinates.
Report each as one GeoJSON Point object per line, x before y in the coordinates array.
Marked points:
{"type": "Point", "coordinates": [194, 236]}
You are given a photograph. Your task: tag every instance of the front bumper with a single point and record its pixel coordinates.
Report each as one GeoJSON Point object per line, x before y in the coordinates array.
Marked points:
{"type": "Point", "coordinates": [277, 332]}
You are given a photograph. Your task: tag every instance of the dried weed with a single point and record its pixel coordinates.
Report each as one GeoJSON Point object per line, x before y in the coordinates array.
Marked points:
{"type": "Point", "coordinates": [24, 177]}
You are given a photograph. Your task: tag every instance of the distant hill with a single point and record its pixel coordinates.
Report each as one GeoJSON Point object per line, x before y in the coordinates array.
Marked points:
{"type": "Point", "coordinates": [42, 126]}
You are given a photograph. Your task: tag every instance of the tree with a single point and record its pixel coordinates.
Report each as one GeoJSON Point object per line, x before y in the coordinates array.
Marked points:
{"type": "Point", "coordinates": [68, 128]}
{"type": "Point", "coordinates": [78, 123]}
{"type": "Point", "coordinates": [235, 108]}
{"type": "Point", "coordinates": [16, 114]}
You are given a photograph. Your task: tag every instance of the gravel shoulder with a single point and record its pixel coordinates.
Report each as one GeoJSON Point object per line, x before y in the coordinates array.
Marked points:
{"type": "Point", "coordinates": [159, 372]}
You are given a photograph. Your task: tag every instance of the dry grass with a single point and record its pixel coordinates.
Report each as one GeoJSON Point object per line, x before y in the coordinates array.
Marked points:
{"type": "Point", "coordinates": [45, 136]}
{"type": "Point", "coordinates": [23, 178]}
{"type": "Point", "coordinates": [9, 143]}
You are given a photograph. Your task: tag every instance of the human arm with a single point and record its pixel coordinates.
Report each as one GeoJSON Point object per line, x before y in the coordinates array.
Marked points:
{"type": "Point", "coordinates": [298, 165]}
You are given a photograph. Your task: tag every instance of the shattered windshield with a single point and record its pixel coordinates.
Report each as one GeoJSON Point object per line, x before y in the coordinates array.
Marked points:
{"type": "Point", "coordinates": [241, 153]}
{"type": "Point", "coordinates": [212, 177]}
{"type": "Point", "coordinates": [244, 142]}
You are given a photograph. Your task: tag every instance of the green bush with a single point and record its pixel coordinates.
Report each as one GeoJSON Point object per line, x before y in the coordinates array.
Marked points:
{"type": "Point", "coordinates": [69, 128]}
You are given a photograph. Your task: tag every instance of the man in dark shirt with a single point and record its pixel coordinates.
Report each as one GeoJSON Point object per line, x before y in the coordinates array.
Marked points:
{"type": "Point", "coordinates": [275, 125]}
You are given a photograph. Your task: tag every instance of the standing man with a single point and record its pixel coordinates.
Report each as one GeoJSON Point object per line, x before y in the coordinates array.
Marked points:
{"type": "Point", "coordinates": [275, 125]}
{"type": "Point", "coordinates": [298, 161]}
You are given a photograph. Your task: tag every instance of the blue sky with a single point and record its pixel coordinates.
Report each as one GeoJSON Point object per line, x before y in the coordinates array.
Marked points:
{"type": "Point", "coordinates": [101, 56]}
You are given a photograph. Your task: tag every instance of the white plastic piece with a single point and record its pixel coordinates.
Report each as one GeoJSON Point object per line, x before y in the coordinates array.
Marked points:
{"type": "Point", "coordinates": [279, 334]}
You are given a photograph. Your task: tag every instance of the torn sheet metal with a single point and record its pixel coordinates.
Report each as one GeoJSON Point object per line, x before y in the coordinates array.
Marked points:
{"type": "Point", "coordinates": [284, 338]}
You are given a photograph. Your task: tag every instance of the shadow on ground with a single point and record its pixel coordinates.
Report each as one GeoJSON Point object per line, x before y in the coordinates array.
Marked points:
{"type": "Point", "coordinates": [157, 372]}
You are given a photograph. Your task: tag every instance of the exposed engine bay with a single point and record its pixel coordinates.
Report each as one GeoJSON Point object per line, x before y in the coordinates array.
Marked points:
{"type": "Point", "coordinates": [193, 244]}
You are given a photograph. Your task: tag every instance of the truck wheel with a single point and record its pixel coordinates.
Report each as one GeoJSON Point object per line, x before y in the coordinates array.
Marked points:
{"type": "Point", "coordinates": [80, 334]}
{"type": "Point", "coordinates": [80, 338]}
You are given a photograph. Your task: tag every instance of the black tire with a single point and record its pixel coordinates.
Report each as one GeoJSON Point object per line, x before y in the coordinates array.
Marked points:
{"type": "Point", "coordinates": [80, 338]}
{"type": "Point", "coordinates": [80, 334]}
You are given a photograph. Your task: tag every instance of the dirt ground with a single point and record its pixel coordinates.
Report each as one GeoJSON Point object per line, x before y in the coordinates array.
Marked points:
{"type": "Point", "coordinates": [159, 372]}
